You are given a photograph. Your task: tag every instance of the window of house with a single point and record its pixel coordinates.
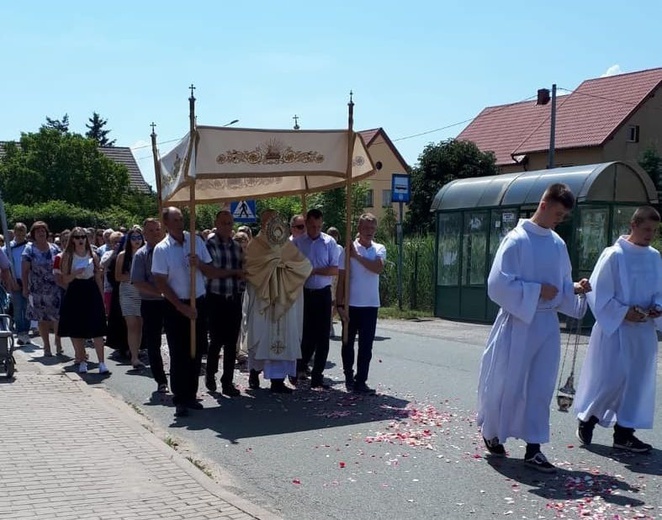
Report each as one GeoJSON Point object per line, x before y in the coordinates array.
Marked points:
{"type": "Point", "coordinates": [633, 134]}
{"type": "Point", "coordinates": [386, 198]}
{"type": "Point", "coordinates": [369, 198]}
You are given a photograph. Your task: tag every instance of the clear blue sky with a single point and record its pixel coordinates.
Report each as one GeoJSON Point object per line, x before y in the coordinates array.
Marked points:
{"type": "Point", "coordinates": [414, 66]}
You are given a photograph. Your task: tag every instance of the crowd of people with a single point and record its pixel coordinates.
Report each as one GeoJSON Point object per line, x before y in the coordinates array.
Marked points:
{"type": "Point", "coordinates": [267, 300]}
{"type": "Point", "coordinates": [270, 300]}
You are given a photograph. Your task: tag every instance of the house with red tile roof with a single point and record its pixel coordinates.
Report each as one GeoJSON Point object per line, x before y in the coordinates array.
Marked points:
{"type": "Point", "coordinates": [614, 118]}
{"type": "Point", "coordinates": [387, 160]}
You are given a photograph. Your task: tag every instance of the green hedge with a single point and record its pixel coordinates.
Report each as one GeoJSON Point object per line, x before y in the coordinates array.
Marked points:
{"type": "Point", "coordinates": [61, 215]}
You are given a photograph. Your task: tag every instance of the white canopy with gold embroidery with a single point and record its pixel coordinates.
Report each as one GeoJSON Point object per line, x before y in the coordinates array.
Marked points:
{"type": "Point", "coordinates": [230, 164]}
{"type": "Point", "coordinates": [220, 164]}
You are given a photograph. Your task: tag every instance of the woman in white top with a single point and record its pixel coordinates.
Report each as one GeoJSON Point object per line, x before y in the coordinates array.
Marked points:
{"type": "Point", "coordinates": [129, 295]}
{"type": "Point", "coordinates": [82, 314]}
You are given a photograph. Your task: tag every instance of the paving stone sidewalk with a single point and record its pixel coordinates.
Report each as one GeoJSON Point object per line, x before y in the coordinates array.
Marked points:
{"type": "Point", "coordinates": [69, 451]}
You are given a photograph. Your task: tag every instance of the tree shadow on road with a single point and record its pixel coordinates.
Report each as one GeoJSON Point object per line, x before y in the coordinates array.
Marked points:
{"type": "Point", "coordinates": [568, 484]}
{"type": "Point", "coordinates": [261, 412]}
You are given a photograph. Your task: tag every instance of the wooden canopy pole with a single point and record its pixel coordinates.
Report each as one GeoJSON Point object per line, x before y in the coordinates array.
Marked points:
{"type": "Point", "coordinates": [192, 235]}
{"type": "Point", "coordinates": [348, 206]}
{"type": "Point", "coordinates": [157, 174]}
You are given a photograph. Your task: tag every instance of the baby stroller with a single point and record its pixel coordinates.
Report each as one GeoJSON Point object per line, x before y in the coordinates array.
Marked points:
{"type": "Point", "coordinates": [7, 361]}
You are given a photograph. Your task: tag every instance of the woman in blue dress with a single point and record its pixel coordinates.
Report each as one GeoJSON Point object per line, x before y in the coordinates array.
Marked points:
{"type": "Point", "coordinates": [39, 286]}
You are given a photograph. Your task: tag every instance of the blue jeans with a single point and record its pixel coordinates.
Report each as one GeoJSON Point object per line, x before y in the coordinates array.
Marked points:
{"type": "Point", "coordinates": [20, 303]}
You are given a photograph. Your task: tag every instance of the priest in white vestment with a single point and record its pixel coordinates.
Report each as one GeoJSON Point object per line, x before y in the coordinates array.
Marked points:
{"type": "Point", "coordinates": [531, 281]}
{"type": "Point", "coordinates": [617, 382]}
{"type": "Point", "coordinates": [275, 274]}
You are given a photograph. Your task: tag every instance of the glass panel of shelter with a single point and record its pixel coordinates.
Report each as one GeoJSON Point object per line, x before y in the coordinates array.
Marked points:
{"type": "Point", "coordinates": [503, 222]}
{"type": "Point", "coordinates": [592, 237]}
{"type": "Point", "coordinates": [474, 247]}
{"type": "Point", "coordinates": [450, 231]}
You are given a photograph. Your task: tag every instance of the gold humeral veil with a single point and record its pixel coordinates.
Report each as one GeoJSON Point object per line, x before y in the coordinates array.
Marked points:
{"type": "Point", "coordinates": [277, 273]}
{"type": "Point", "coordinates": [273, 303]}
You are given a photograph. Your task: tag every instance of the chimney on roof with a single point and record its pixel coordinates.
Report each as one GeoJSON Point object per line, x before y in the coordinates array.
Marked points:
{"type": "Point", "coordinates": [543, 96]}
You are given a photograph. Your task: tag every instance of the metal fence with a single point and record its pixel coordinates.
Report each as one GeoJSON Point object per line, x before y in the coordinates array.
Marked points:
{"type": "Point", "coordinates": [418, 274]}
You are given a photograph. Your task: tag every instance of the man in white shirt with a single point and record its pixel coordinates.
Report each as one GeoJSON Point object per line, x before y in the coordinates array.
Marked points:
{"type": "Point", "coordinates": [359, 311]}
{"type": "Point", "coordinates": [171, 265]}
{"type": "Point", "coordinates": [617, 383]}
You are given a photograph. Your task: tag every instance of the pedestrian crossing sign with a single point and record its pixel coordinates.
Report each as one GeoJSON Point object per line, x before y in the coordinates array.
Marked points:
{"type": "Point", "coordinates": [243, 211]}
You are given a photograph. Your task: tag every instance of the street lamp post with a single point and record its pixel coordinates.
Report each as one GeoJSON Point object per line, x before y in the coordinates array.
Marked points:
{"type": "Point", "coordinates": [543, 99]}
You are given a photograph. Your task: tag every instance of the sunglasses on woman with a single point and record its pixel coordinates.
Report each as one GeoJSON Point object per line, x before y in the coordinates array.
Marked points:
{"type": "Point", "coordinates": [79, 237]}
{"type": "Point", "coordinates": [136, 237]}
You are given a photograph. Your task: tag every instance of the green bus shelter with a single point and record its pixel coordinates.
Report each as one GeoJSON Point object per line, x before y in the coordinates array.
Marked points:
{"type": "Point", "coordinates": [473, 216]}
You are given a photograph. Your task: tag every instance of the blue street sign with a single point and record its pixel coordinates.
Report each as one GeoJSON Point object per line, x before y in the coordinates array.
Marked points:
{"type": "Point", "coordinates": [243, 211]}
{"type": "Point", "coordinates": [400, 190]}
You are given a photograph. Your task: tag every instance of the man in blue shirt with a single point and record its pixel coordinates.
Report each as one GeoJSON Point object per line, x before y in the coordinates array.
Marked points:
{"type": "Point", "coordinates": [321, 251]}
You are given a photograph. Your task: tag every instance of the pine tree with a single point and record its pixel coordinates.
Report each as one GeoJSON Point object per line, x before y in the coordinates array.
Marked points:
{"type": "Point", "coordinates": [61, 125]}
{"type": "Point", "coordinates": [95, 130]}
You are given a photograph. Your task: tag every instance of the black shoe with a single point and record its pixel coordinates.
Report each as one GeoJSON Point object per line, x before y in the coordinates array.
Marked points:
{"type": "Point", "coordinates": [254, 380]}
{"type": "Point", "coordinates": [320, 384]}
{"type": "Point", "coordinates": [210, 383]}
{"type": "Point", "coordinates": [495, 447]}
{"type": "Point", "coordinates": [540, 463]}
{"type": "Point", "coordinates": [231, 391]}
{"type": "Point", "coordinates": [278, 387]}
{"type": "Point", "coordinates": [363, 389]}
{"type": "Point", "coordinates": [585, 432]}
{"type": "Point", "coordinates": [181, 411]}
{"type": "Point", "coordinates": [632, 444]}
{"type": "Point", "coordinates": [195, 405]}
{"type": "Point", "coordinates": [349, 384]}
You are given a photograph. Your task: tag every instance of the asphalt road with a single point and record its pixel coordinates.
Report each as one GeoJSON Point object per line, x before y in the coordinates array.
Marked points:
{"type": "Point", "coordinates": [412, 451]}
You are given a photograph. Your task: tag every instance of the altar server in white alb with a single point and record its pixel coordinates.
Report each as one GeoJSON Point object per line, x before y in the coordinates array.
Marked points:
{"type": "Point", "coordinates": [617, 383]}
{"type": "Point", "coordinates": [531, 281]}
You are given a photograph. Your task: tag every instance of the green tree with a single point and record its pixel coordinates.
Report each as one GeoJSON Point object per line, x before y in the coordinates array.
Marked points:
{"type": "Point", "coordinates": [286, 207]}
{"type": "Point", "coordinates": [652, 162]}
{"type": "Point", "coordinates": [51, 165]}
{"type": "Point", "coordinates": [141, 204]}
{"type": "Point", "coordinates": [387, 225]}
{"type": "Point", "coordinates": [333, 205]}
{"type": "Point", "coordinates": [438, 165]}
{"type": "Point", "coordinates": [61, 125]}
{"type": "Point", "coordinates": [96, 131]}
{"type": "Point", "coordinates": [205, 216]}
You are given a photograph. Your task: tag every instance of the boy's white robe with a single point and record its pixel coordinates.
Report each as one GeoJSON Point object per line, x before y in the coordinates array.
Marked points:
{"type": "Point", "coordinates": [519, 366]}
{"type": "Point", "coordinates": [617, 381]}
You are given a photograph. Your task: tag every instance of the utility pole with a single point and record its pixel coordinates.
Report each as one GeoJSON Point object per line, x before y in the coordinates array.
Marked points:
{"type": "Point", "coordinates": [543, 99]}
